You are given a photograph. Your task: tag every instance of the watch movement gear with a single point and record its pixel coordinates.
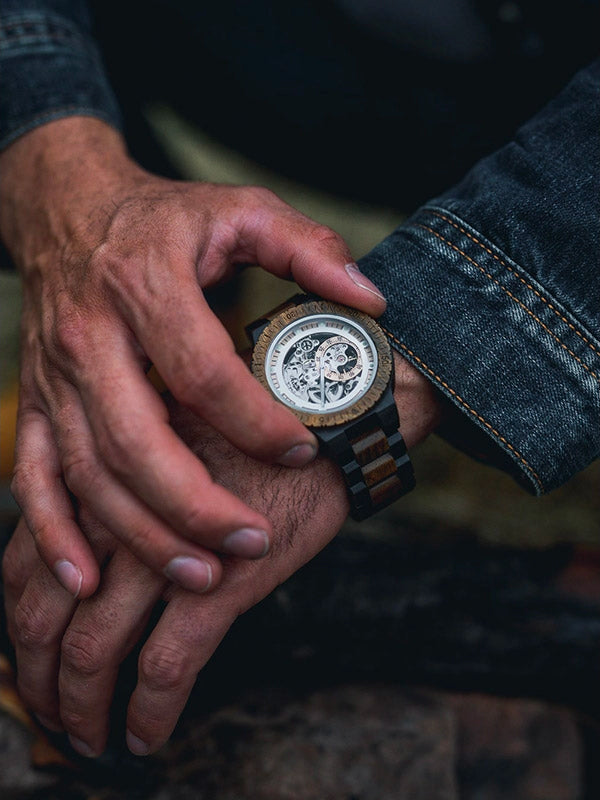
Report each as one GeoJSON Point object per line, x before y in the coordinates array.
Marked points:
{"type": "Point", "coordinates": [333, 367]}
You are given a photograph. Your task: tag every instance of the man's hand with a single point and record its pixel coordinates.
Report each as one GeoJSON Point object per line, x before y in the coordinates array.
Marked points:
{"type": "Point", "coordinates": [114, 261]}
{"type": "Point", "coordinates": [68, 678]}
{"type": "Point", "coordinates": [70, 683]}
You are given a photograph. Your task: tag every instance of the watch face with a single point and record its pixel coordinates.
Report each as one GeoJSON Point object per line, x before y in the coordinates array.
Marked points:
{"type": "Point", "coordinates": [323, 361]}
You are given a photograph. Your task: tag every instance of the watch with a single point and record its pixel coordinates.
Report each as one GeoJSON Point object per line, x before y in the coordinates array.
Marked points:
{"type": "Point", "coordinates": [333, 367]}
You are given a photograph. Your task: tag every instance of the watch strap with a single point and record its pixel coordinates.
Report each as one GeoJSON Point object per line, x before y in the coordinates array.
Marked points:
{"type": "Point", "coordinates": [373, 458]}
{"type": "Point", "coordinates": [380, 472]}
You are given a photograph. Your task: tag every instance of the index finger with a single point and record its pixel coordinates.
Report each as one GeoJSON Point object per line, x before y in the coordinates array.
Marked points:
{"type": "Point", "coordinates": [102, 632]}
{"type": "Point", "coordinates": [196, 358]}
{"type": "Point", "coordinates": [143, 451]}
{"type": "Point", "coordinates": [184, 639]}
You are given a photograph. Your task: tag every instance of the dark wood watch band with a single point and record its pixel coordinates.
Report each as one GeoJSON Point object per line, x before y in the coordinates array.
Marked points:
{"type": "Point", "coordinates": [385, 470]}
{"type": "Point", "coordinates": [379, 471]}
{"type": "Point", "coordinates": [372, 455]}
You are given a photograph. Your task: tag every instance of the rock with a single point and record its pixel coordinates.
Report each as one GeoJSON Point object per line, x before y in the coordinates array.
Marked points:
{"type": "Point", "coordinates": [346, 743]}
{"type": "Point", "coordinates": [518, 749]}
{"type": "Point", "coordinates": [353, 742]}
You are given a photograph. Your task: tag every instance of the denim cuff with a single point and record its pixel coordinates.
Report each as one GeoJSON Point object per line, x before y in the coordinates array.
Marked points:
{"type": "Point", "coordinates": [50, 69]}
{"type": "Point", "coordinates": [523, 372]}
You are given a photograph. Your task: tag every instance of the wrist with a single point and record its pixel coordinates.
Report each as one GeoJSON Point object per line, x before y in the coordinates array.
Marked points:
{"type": "Point", "coordinates": [59, 144]}
{"type": "Point", "coordinates": [420, 406]}
{"type": "Point", "coordinates": [55, 176]}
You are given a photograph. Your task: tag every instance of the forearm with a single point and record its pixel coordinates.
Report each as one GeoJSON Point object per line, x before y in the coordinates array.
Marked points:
{"type": "Point", "coordinates": [493, 293]}
{"type": "Point", "coordinates": [52, 179]}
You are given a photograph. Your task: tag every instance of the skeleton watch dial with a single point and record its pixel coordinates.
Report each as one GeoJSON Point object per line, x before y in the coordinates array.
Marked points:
{"type": "Point", "coordinates": [323, 361]}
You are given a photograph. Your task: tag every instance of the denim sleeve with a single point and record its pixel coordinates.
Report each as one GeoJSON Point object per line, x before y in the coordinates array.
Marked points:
{"type": "Point", "coordinates": [494, 294]}
{"type": "Point", "coordinates": [49, 66]}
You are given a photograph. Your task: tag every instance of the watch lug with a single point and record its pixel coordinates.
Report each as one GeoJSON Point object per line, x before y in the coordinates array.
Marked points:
{"type": "Point", "coordinates": [254, 330]}
{"type": "Point", "coordinates": [386, 410]}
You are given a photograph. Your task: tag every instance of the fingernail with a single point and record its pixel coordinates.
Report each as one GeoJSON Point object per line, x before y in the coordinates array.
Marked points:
{"type": "Point", "coordinates": [360, 280]}
{"type": "Point", "coordinates": [190, 573]}
{"type": "Point", "coordinates": [81, 747]}
{"type": "Point", "coordinates": [137, 747]}
{"type": "Point", "coordinates": [298, 456]}
{"type": "Point", "coordinates": [246, 543]}
{"type": "Point", "coordinates": [69, 576]}
{"type": "Point", "coordinates": [46, 722]}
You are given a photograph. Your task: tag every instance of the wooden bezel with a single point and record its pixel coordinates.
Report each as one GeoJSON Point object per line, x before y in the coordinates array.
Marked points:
{"type": "Point", "coordinates": [384, 357]}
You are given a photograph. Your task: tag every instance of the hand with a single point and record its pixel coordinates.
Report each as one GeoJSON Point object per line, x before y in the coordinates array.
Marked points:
{"type": "Point", "coordinates": [68, 678]}
{"type": "Point", "coordinates": [70, 683]}
{"type": "Point", "coordinates": [113, 262]}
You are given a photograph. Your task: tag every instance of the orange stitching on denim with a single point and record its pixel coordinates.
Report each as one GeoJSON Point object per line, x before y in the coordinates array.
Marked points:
{"type": "Point", "coordinates": [521, 278]}
{"type": "Point", "coordinates": [469, 409]}
{"type": "Point", "coordinates": [512, 297]}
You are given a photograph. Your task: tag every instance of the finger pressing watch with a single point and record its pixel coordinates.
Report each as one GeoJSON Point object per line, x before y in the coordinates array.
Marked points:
{"type": "Point", "coordinates": [333, 367]}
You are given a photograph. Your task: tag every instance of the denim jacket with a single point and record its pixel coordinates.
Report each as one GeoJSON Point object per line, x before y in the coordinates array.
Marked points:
{"type": "Point", "coordinates": [50, 66]}
{"type": "Point", "coordinates": [493, 288]}
{"type": "Point", "coordinates": [494, 294]}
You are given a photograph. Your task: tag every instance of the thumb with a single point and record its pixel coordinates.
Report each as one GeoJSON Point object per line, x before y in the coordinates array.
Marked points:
{"type": "Point", "coordinates": [290, 245]}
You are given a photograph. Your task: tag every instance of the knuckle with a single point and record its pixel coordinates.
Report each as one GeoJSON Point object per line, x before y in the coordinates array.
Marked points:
{"type": "Point", "coordinates": [44, 536]}
{"type": "Point", "coordinates": [80, 471]}
{"type": "Point", "coordinates": [23, 480]}
{"type": "Point", "coordinates": [18, 487]}
{"type": "Point", "coordinates": [119, 443]}
{"type": "Point", "coordinates": [195, 519]}
{"type": "Point", "coordinates": [70, 335]}
{"type": "Point", "coordinates": [142, 541]}
{"type": "Point", "coordinates": [259, 195]}
{"type": "Point", "coordinates": [72, 719]}
{"type": "Point", "coordinates": [206, 384]}
{"type": "Point", "coordinates": [323, 235]}
{"type": "Point", "coordinates": [108, 261]}
{"type": "Point", "coordinates": [82, 651]}
{"type": "Point", "coordinates": [31, 624]}
{"type": "Point", "coordinates": [162, 666]}
{"type": "Point", "coordinates": [119, 271]}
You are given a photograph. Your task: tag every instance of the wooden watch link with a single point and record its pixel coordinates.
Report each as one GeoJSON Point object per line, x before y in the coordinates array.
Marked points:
{"type": "Point", "coordinates": [333, 367]}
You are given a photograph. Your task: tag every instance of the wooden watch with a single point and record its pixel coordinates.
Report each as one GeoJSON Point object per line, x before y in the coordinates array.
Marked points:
{"type": "Point", "coordinates": [333, 367]}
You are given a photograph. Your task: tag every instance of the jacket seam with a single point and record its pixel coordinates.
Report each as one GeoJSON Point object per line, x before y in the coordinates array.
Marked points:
{"type": "Point", "coordinates": [514, 272]}
{"type": "Point", "coordinates": [470, 409]}
{"type": "Point", "coordinates": [57, 36]}
{"type": "Point", "coordinates": [512, 297]}
{"type": "Point", "coordinates": [36, 26]}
